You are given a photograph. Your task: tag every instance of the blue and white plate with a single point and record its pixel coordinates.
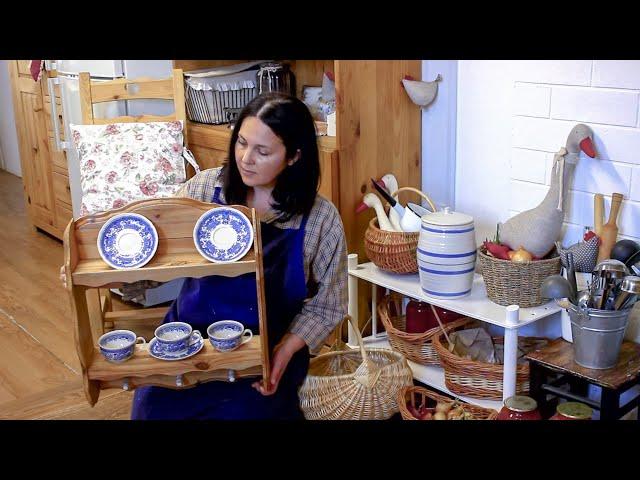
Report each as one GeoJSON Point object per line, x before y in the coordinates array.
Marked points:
{"type": "Point", "coordinates": [155, 352]}
{"type": "Point", "coordinates": [223, 235]}
{"type": "Point", "coordinates": [128, 240]}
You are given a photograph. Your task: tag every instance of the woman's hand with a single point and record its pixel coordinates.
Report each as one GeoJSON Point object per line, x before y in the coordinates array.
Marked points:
{"type": "Point", "coordinates": [282, 354]}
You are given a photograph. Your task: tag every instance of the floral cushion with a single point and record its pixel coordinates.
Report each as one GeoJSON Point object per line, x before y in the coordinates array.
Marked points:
{"type": "Point", "coordinates": [124, 162]}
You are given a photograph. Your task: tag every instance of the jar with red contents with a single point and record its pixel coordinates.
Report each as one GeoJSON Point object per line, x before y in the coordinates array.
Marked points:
{"type": "Point", "coordinates": [420, 316]}
{"type": "Point", "coordinates": [519, 407]}
{"type": "Point", "coordinates": [572, 411]}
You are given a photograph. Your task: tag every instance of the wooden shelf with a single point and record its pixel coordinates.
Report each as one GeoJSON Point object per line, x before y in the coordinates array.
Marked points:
{"type": "Point", "coordinates": [176, 257]}
{"type": "Point", "coordinates": [142, 364]}
{"type": "Point", "coordinates": [162, 268]}
{"type": "Point", "coordinates": [217, 136]}
{"type": "Point", "coordinates": [476, 305]}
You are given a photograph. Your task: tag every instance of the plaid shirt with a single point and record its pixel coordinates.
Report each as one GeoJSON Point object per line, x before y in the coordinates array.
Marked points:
{"type": "Point", "coordinates": [325, 259]}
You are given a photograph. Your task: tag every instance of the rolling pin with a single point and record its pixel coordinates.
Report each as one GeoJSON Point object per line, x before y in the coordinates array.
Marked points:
{"type": "Point", "coordinates": [610, 229]}
{"type": "Point", "coordinates": [598, 213]}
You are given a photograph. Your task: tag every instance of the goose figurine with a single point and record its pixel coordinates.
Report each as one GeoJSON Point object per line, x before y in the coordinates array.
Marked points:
{"type": "Point", "coordinates": [421, 93]}
{"type": "Point", "coordinates": [373, 201]}
{"type": "Point", "coordinates": [389, 182]}
{"type": "Point", "coordinates": [536, 230]}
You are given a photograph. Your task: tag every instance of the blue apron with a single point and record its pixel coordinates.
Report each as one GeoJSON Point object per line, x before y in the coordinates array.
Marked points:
{"type": "Point", "coordinates": [206, 300]}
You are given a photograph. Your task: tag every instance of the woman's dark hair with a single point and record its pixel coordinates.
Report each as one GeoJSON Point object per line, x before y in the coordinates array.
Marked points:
{"type": "Point", "coordinates": [297, 185]}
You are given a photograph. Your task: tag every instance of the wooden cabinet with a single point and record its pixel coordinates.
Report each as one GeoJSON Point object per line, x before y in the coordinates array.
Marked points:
{"type": "Point", "coordinates": [378, 132]}
{"type": "Point", "coordinates": [44, 170]}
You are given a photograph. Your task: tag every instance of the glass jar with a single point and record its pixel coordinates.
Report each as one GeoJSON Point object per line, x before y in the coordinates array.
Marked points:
{"type": "Point", "coordinates": [519, 407]}
{"type": "Point", "coordinates": [572, 411]}
{"type": "Point", "coordinates": [420, 317]}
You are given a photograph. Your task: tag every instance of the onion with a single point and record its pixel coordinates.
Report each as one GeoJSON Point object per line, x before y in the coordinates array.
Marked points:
{"type": "Point", "coordinates": [439, 416]}
{"type": "Point", "coordinates": [443, 407]}
{"type": "Point", "coordinates": [521, 255]}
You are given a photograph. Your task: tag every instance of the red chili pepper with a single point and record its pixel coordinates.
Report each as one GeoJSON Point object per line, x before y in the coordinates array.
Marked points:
{"type": "Point", "coordinates": [497, 250]}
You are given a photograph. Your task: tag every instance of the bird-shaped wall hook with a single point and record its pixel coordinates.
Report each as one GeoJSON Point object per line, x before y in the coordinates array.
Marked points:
{"type": "Point", "coordinates": [421, 93]}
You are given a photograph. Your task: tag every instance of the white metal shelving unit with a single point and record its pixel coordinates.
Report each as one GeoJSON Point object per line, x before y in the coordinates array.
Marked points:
{"type": "Point", "coordinates": [476, 305]}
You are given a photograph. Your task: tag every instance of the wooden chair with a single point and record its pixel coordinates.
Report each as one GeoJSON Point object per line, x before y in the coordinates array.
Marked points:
{"type": "Point", "coordinates": [101, 313]}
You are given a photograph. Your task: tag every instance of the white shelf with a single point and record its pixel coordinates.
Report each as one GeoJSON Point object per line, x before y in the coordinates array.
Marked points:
{"type": "Point", "coordinates": [476, 305]}
{"type": "Point", "coordinates": [432, 375]}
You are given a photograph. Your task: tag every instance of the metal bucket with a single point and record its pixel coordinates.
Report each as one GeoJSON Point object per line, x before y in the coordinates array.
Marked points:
{"type": "Point", "coordinates": [597, 336]}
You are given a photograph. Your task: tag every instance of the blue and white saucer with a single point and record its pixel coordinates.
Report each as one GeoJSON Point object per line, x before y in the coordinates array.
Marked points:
{"type": "Point", "coordinates": [155, 352]}
{"type": "Point", "coordinates": [128, 240]}
{"type": "Point", "coordinates": [223, 235]}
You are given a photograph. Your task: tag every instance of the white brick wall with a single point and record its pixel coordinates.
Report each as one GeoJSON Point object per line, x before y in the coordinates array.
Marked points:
{"type": "Point", "coordinates": [550, 97]}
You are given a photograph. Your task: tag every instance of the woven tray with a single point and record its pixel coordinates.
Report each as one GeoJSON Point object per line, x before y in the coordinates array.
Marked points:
{"type": "Point", "coordinates": [515, 283]}
{"type": "Point", "coordinates": [421, 396]}
{"type": "Point", "coordinates": [479, 379]}
{"type": "Point", "coordinates": [416, 347]}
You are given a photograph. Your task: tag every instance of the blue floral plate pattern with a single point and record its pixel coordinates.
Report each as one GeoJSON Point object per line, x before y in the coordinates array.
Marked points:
{"type": "Point", "coordinates": [155, 352]}
{"type": "Point", "coordinates": [223, 235]}
{"type": "Point", "coordinates": [128, 240]}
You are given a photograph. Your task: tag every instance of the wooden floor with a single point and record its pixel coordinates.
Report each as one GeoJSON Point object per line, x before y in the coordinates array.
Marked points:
{"type": "Point", "coordinates": [39, 368]}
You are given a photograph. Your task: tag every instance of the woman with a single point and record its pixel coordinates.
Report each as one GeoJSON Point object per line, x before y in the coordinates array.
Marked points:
{"type": "Point", "coordinates": [273, 167]}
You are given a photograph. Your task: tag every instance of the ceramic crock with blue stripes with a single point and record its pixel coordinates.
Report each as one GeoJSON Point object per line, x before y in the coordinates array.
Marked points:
{"type": "Point", "coordinates": [446, 254]}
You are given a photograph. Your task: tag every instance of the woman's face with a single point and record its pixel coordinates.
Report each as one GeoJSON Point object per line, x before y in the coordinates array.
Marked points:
{"type": "Point", "coordinates": [260, 154]}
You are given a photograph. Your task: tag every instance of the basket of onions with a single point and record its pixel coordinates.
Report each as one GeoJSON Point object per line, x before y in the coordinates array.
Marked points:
{"type": "Point", "coordinates": [418, 403]}
{"type": "Point", "coordinates": [514, 277]}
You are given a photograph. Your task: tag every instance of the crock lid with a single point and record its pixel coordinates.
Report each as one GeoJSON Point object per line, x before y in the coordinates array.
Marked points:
{"type": "Point", "coordinates": [447, 217]}
{"type": "Point", "coordinates": [521, 403]}
{"type": "Point", "coordinates": [575, 410]}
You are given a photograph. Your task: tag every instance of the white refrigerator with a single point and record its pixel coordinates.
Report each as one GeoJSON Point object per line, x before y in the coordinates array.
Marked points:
{"type": "Point", "coordinates": [104, 70]}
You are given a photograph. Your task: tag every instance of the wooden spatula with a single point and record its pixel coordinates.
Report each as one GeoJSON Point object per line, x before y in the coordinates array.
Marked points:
{"type": "Point", "coordinates": [610, 229]}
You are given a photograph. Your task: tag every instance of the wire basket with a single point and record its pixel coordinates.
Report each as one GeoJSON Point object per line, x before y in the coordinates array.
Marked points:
{"type": "Point", "coordinates": [516, 283]}
{"type": "Point", "coordinates": [480, 379]}
{"type": "Point", "coordinates": [357, 384]}
{"type": "Point", "coordinates": [416, 347]}
{"type": "Point", "coordinates": [394, 251]}
{"type": "Point", "coordinates": [419, 396]}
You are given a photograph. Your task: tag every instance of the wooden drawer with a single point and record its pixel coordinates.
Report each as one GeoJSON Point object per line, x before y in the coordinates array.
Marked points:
{"type": "Point", "coordinates": [47, 109]}
{"type": "Point", "coordinates": [58, 159]}
{"type": "Point", "coordinates": [61, 189]}
{"type": "Point", "coordinates": [63, 216]}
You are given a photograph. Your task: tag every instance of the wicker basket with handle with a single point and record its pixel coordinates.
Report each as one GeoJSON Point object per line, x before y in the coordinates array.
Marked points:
{"type": "Point", "coordinates": [394, 251]}
{"type": "Point", "coordinates": [515, 283]}
{"type": "Point", "coordinates": [416, 347]}
{"type": "Point", "coordinates": [354, 384]}
{"type": "Point", "coordinates": [479, 379]}
{"type": "Point", "coordinates": [417, 396]}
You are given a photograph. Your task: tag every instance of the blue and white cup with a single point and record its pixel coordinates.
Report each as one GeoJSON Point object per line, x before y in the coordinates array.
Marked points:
{"type": "Point", "coordinates": [118, 346]}
{"type": "Point", "coordinates": [227, 335]}
{"type": "Point", "coordinates": [174, 338]}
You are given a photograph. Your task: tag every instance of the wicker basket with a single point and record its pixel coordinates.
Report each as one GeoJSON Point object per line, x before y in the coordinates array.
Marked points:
{"type": "Point", "coordinates": [394, 251]}
{"type": "Point", "coordinates": [355, 384]}
{"type": "Point", "coordinates": [479, 379]}
{"type": "Point", "coordinates": [416, 347]}
{"type": "Point", "coordinates": [515, 283]}
{"type": "Point", "coordinates": [421, 396]}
